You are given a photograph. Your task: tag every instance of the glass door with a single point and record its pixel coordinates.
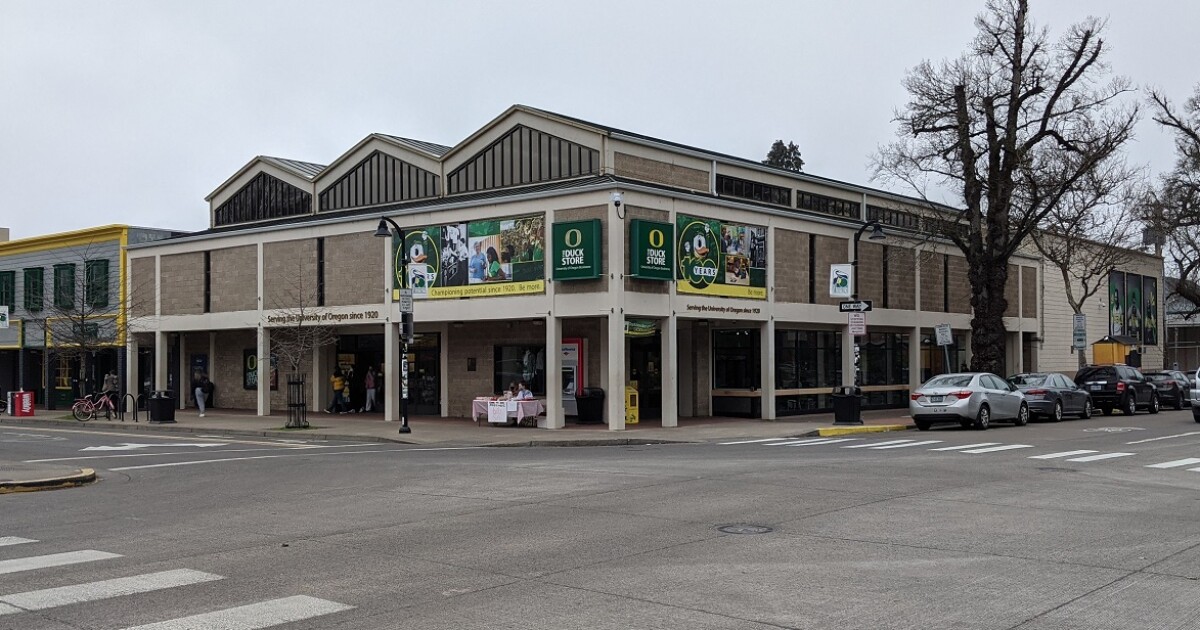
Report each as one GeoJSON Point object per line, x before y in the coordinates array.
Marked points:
{"type": "Point", "coordinates": [425, 375]}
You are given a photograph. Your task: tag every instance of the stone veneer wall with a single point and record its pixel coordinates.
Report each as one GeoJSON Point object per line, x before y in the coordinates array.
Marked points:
{"type": "Point", "coordinates": [290, 274]}
{"type": "Point", "coordinates": [902, 278]}
{"type": "Point", "coordinates": [960, 285]}
{"type": "Point", "coordinates": [235, 273]}
{"type": "Point", "coordinates": [142, 290]}
{"type": "Point", "coordinates": [829, 250]}
{"type": "Point", "coordinates": [183, 284]}
{"type": "Point", "coordinates": [1029, 292]}
{"type": "Point", "coordinates": [790, 251]}
{"type": "Point", "coordinates": [1012, 292]}
{"type": "Point", "coordinates": [226, 372]}
{"type": "Point", "coordinates": [352, 270]}
{"type": "Point", "coordinates": [625, 165]}
{"type": "Point", "coordinates": [932, 289]}
{"type": "Point", "coordinates": [870, 272]}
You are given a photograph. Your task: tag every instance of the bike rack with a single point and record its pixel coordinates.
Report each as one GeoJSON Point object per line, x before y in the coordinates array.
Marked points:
{"type": "Point", "coordinates": [136, 400]}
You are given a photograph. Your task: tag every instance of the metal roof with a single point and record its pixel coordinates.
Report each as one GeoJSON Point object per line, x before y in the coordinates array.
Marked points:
{"type": "Point", "coordinates": [428, 147]}
{"type": "Point", "coordinates": [307, 170]}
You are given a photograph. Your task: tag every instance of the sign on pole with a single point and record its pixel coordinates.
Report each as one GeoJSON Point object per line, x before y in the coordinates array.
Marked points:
{"type": "Point", "coordinates": [1079, 331]}
{"type": "Point", "coordinates": [406, 300]}
{"type": "Point", "coordinates": [861, 306]}
{"type": "Point", "coordinates": [858, 324]}
{"type": "Point", "coordinates": [839, 280]}
{"type": "Point", "coordinates": [3, 317]}
{"type": "Point", "coordinates": [944, 336]}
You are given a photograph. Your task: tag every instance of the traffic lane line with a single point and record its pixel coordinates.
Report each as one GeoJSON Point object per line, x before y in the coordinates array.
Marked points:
{"type": "Point", "coordinates": [1096, 458]}
{"type": "Point", "coordinates": [253, 616]}
{"type": "Point", "coordinates": [874, 444]}
{"type": "Point", "coordinates": [962, 446]}
{"type": "Point", "coordinates": [256, 457]}
{"type": "Point", "coordinates": [923, 443]}
{"type": "Point", "coordinates": [153, 454]}
{"type": "Point", "coordinates": [1064, 454]}
{"type": "Point", "coordinates": [6, 541]}
{"type": "Point", "coordinates": [106, 589]}
{"type": "Point", "coordinates": [32, 563]}
{"type": "Point", "coordinates": [993, 449]}
{"type": "Point", "coordinates": [1165, 437]}
{"type": "Point", "coordinates": [152, 436]}
{"type": "Point", "coordinates": [1177, 463]}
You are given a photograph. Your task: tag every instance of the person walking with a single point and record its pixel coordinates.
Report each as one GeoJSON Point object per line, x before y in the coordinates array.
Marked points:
{"type": "Point", "coordinates": [338, 381]}
{"type": "Point", "coordinates": [369, 384]}
{"type": "Point", "coordinates": [200, 389]}
{"type": "Point", "coordinates": [111, 387]}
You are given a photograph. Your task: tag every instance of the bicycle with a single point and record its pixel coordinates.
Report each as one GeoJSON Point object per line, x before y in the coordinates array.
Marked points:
{"type": "Point", "coordinates": [88, 407]}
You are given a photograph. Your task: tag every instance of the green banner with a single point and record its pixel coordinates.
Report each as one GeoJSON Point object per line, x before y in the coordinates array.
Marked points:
{"type": "Point", "coordinates": [480, 258]}
{"type": "Point", "coordinates": [576, 249]}
{"type": "Point", "coordinates": [651, 250]}
{"type": "Point", "coordinates": [1150, 312]}
{"type": "Point", "coordinates": [721, 259]}
{"type": "Point", "coordinates": [1133, 306]}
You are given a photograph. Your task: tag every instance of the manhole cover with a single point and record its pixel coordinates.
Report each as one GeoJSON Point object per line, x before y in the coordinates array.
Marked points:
{"type": "Point", "coordinates": [745, 529]}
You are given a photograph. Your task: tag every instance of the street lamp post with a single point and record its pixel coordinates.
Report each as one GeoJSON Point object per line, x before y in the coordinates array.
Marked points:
{"type": "Point", "coordinates": [876, 235]}
{"type": "Point", "coordinates": [406, 318]}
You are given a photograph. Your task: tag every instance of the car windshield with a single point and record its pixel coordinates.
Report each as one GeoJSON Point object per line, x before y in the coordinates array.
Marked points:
{"type": "Point", "coordinates": [949, 380]}
{"type": "Point", "coordinates": [1159, 377]}
{"type": "Point", "coordinates": [1028, 379]}
{"type": "Point", "coordinates": [1096, 373]}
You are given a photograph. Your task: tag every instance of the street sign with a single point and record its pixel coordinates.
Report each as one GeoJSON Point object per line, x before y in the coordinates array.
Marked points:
{"type": "Point", "coordinates": [860, 306]}
{"type": "Point", "coordinates": [944, 336]}
{"type": "Point", "coordinates": [1079, 331]}
{"type": "Point", "coordinates": [406, 300]}
{"type": "Point", "coordinates": [858, 324]}
{"type": "Point", "coordinates": [840, 277]}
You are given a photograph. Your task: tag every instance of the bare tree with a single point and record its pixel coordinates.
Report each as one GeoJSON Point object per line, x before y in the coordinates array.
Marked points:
{"type": "Point", "coordinates": [298, 324]}
{"type": "Point", "coordinates": [1010, 130]}
{"type": "Point", "coordinates": [1174, 207]}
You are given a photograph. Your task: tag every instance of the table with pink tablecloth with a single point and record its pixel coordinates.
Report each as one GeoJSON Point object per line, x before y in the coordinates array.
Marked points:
{"type": "Point", "coordinates": [525, 412]}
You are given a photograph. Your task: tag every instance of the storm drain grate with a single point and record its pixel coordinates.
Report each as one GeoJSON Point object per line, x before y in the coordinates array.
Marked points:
{"type": "Point", "coordinates": [742, 528]}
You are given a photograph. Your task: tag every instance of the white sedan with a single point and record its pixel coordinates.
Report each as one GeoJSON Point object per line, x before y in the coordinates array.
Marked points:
{"type": "Point", "coordinates": [969, 399]}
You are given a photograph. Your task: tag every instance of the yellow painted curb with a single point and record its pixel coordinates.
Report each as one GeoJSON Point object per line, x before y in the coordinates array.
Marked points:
{"type": "Point", "coordinates": [866, 428]}
{"type": "Point", "coordinates": [84, 476]}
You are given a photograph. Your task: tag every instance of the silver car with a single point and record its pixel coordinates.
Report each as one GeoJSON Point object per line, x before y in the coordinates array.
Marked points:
{"type": "Point", "coordinates": [968, 398]}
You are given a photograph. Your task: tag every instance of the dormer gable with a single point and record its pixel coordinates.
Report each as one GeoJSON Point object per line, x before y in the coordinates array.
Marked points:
{"type": "Point", "coordinates": [523, 156]}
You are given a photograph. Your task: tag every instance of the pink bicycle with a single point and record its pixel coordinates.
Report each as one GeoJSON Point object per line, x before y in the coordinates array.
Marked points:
{"type": "Point", "coordinates": [88, 407]}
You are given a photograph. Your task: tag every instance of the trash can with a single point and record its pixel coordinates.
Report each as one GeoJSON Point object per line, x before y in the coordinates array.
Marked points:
{"type": "Point", "coordinates": [847, 405]}
{"type": "Point", "coordinates": [161, 407]}
{"type": "Point", "coordinates": [589, 403]}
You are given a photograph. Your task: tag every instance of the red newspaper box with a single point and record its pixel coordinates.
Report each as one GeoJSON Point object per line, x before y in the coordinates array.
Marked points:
{"type": "Point", "coordinates": [20, 403]}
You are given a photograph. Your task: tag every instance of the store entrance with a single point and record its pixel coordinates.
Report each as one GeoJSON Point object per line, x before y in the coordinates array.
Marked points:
{"type": "Point", "coordinates": [645, 374]}
{"type": "Point", "coordinates": [425, 375]}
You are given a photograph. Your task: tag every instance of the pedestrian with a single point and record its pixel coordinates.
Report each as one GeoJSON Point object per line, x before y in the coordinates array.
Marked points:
{"type": "Point", "coordinates": [111, 387]}
{"type": "Point", "coordinates": [200, 388]}
{"type": "Point", "coordinates": [338, 381]}
{"type": "Point", "coordinates": [369, 384]}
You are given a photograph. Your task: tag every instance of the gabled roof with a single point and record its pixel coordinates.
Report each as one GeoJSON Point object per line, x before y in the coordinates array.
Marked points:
{"type": "Point", "coordinates": [307, 170]}
{"type": "Point", "coordinates": [432, 148]}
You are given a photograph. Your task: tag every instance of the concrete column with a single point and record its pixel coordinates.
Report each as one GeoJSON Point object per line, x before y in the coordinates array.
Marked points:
{"type": "Point", "coordinates": [555, 417]}
{"type": "Point", "coordinates": [615, 383]}
{"type": "Point", "coordinates": [315, 382]}
{"type": "Point", "coordinates": [444, 366]}
{"type": "Point", "coordinates": [685, 368]}
{"type": "Point", "coordinates": [264, 371]}
{"type": "Point", "coordinates": [160, 359]}
{"type": "Point", "coordinates": [132, 379]}
{"type": "Point", "coordinates": [766, 369]}
{"type": "Point", "coordinates": [185, 373]}
{"type": "Point", "coordinates": [391, 362]}
{"type": "Point", "coordinates": [670, 372]}
{"type": "Point", "coordinates": [914, 358]}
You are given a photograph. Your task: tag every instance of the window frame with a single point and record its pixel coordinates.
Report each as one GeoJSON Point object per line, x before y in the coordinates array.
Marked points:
{"type": "Point", "coordinates": [8, 290]}
{"type": "Point", "coordinates": [64, 296]}
{"type": "Point", "coordinates": [34, 301]}
{"type": "Point", "coordinates": [95, 293]}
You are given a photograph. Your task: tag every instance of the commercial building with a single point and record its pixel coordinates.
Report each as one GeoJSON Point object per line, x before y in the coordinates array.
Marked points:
{"type": "Point", "coordinates": [570, 255]}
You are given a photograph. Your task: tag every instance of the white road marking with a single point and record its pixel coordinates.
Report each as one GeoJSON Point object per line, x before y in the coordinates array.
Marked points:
{"type": "Point", "coordinates": [753, 441]}
{"type": "Point", "coordinates": [1165, 437]}
{"type": "Point", "coordinates": [795, 442]}
{"type": "Point", "coordinates": [884, 448]}
{"type": "Point", "coordinates": [16, 540]}
{"type": "Point", "coordinates": [1177, 463]}
{"type": "Point", "coordinates": [1094, 458]}
{"type": "Point", "coordinates": [106, 589]}
{"type": "Point", "coordinates": [53, 560]}
{"type": "Point", "coordinates": [993, 449]}
{"type": "Point", "coordinates": [829, 441]}
{"type": "Point", "coordinates": [873, 444]}
{"type": "Point", "coordinates": [134, 446]}
{"type": "Point", "coordinates": [1065, 454]}
{"type": "Point", "coordinates": [253, 616]}
{"type": "Point", "coordinates": [238, 459]}
{"type": "Point", "coordinates": [275, 449]}
{"type": "Point", "coordinates": [962, 446]}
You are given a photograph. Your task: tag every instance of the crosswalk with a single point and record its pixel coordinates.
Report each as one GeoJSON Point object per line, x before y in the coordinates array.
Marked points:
{"type": "Point", "coordinates": [980, 448]}
{"type": "Point", "coordinates": [253, 616]}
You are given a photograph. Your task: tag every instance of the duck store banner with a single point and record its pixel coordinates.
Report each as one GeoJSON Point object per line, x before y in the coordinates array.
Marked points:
{"type": "Point", "coordinates": [1133, 307]}
{"type": "Point", "coordinates": [723, 259]}
{"type": "Point", "coordinates": [475, 259]}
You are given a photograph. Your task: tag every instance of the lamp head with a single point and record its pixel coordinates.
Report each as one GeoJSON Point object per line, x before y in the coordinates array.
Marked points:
{"type": "Point", "coordinates": [383, 231]}
{"type": "Point", "coordinates": [877, 233]}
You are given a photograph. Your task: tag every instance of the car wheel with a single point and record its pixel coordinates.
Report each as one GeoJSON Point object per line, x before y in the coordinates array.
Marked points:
{"type": "Point", "coordinates": [1023, 416]}
{"type": "Point", "coordinates": [1106, 410]}
{"type": "Point", "coordinates": [1087, 409]}
{"type": "Point", "coordinates": [1057, 415]}
{"type": "Point", "coordinates": [1130, 406]}
{"type": "Point", "coordinates": [1154, 406]}
{"type": "Point", "coordinates": [983, 419]}
{"type": "Point", "coordinates": [923, 425]}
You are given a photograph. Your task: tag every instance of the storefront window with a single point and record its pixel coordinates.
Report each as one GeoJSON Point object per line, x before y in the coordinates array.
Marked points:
{"type": "Point", "coordinates": [735, 359]}
{"type": "Point", "coordinates": [933, 356]}
{"type": "Point", "coordinates": [806, 359]}
{"type": "Point", "coordinates": [884, 361]}
{"type": "Point", "coordinates": [520, 363]}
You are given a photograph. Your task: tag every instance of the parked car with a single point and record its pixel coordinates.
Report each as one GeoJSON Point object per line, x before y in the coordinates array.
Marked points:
{"type": "Point", "coordinates": [1196, 395]}
{"type": "Point", "coordinates": [1174, 387]}
{"type": "Point", "coordinates": [968, 398]}
{"type": "Point", "coordinates": [1052, 395]}
{"type": "Point", "coordinates": [1118, 387]}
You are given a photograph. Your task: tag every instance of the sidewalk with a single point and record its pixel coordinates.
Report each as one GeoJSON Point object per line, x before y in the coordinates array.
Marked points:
{"type": "Point", "coordinates": [464, 432]}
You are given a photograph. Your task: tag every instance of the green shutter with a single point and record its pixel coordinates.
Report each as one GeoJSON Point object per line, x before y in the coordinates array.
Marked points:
{"type": "Point", "coordinates": [96, 283]}
{"type": "Point", "coordinates": [64, 286]}
{"type": "Point", "coordinates": [35, 289]}
{"type": "Point", "coordinates": [8, 290]}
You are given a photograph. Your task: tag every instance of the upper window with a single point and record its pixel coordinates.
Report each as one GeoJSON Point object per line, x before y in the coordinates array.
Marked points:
{"type": "Point", "coordinates": [826, 205]}
{"type": "Point", "coordinates": [264, 198]}
{"type": "Point", "coordinates": [746, 189]}
{"type": "Point", "coordinates": [96, 283]}
{"type": "Point", "coordinates": [35, 288]}
{"type": "Point", "coordinates": [8, 289]}
{"type": "Point", "coordinates": [64, 286]}
{"type": "Point", "coordinates": [894, 218]}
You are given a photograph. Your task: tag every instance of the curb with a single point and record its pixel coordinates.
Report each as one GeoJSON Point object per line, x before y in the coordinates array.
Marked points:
{"type": "Point", "coordinates": [871, 428]}
{"type": "Point", "coordinates": [603, 442]}
{"type": "Point", "coordinates": [173, 428]}
{"type": "Point", "coordinates": [81, 477]}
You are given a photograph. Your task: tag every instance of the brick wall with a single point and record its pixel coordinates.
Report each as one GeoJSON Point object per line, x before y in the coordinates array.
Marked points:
{"type": "Point", "coordinates": [1029, 293]}
{"type": "Point", "coordinates": [599, 285]}
{"type": "Point", "coordinates": [902, 278]}
{"type": "Point", "coordinates": [625, 165]}
{"type": "Point", "coordinates": [932, 289]}
{"type": "Point", "coordinates": [142, 290]}
{"type": "Point", "coordinates": [790, 251]}
{"type": "Point", "coordinates": [226, 370]}
{"type": "Point", "coordinates": [870, 272]}
{"type": "Point", "coordinates": [702, 360]}
{"type": "Point", "coordinates": [1012, 292]}
{"type": "Point", "coordinates": [183, 284]}
{"type": "Point", "coordinates": [235, 279]}
{"type": "Point", "coordinates": [352, 269]}
{"type": "Point", "coordinates": [636, 284]}
{"type": "Point", "coordinates": [960, 285]}
{"type": "Point", "coordinates": [290, 274]}
{"type": "Point", "coordinates": [478, 340]}
{"type": "Point", "coordinates": [828, 251]}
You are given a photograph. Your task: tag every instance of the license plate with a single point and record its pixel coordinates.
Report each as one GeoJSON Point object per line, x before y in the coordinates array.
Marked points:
{"type": "Point", "coordinates": [1096, 388]}
{"type": "Point", "coordinates": [936, 398]}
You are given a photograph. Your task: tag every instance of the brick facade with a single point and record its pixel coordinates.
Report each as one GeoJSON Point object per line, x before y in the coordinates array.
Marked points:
{"type": "Point", "coordinates": [1029, 292]}
{"type": "Point", "coordinates": [352, 269]}
{"type": "Point", "coordinates": [902, 278]}
{"type": "Point", "coordinates": [960, 285]}
{"type": "Point", "coordinates": [226, 369]}
{"type": "Point", "coordinates": [870, 272]}
{"type": "Point", "coordinates": [933, 290]}
{"type": "Point", "coordinates": [625, 165]}
{"type": "Point", "coordinates": [183, 284]}
{"type": "Point", "coordinates": [790, 251]}
{"type": "Point", "coordinates": [478, 340]}
{"type": "Point", "coordinates": [1012, 292]}
{"type": "Point", "coordinates": [142, 290]}
{"type": "Point", "coordinates": [598, 285]}
{"type": "Point", "coordinates": [828, 251]}
{"type": "Point", "coordinates": [237, 269]}
{"type": "Point", "coordinates": [290, 274]}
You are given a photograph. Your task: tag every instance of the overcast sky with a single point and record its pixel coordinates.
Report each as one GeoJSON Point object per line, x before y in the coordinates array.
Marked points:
{"type": "Point", "coordinates": [133, 112]}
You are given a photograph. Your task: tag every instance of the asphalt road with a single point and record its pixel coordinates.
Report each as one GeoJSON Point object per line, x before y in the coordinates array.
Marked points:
{"type": "Point", "coordinates": [1082, 524]}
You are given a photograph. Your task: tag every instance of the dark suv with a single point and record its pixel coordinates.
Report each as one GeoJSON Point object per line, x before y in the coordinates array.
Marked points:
{"type": "Point", "coordinates": [1118, 387]}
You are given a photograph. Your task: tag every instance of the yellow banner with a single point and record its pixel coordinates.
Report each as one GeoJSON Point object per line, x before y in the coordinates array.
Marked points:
{"type": "Point", "coordinates": [724, 290]}
{"type": "Point", "coordinates": [483, 290]}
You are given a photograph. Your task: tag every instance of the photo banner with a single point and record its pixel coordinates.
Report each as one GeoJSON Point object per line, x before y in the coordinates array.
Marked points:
{"type": "Point", "coordinates": [1150, 311]}
{"type": "Point", "coordinates": [721, 259]}
{"type": "Point", "coordinates": [1116, 303]}
{"type": "Point", "coordinates": [480, 258]}
{"type": "Point", "coordinates": [1133, 306]}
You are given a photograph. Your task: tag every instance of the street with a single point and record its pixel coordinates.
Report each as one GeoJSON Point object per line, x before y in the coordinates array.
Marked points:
{"type": "Point", "coordinates": [1079, 524]}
